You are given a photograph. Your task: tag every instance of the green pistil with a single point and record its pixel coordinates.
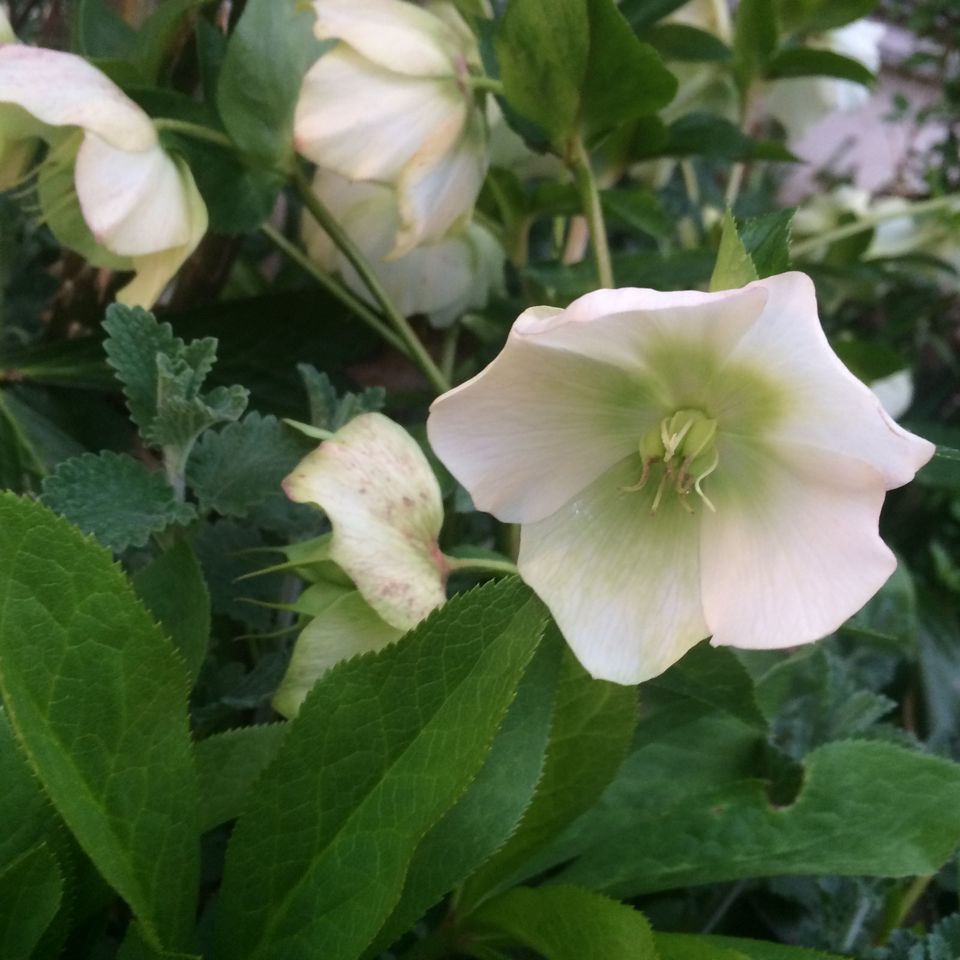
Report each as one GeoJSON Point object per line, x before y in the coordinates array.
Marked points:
{"type": "Point", "coordinates": [684, 447]}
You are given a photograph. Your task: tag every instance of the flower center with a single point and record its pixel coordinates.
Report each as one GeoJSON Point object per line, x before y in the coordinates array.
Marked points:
{"type": "Point", "coordinates": [683, 450]}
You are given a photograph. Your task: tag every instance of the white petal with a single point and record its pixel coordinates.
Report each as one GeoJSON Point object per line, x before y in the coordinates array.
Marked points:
{"type": "Point", "coordinates": [440, 185]}
{"type": "Point", "coordinates": [392, 33]}
{"type": "Point", "coordinates": [64, 90]}
{"type": "Point", "coordinates": [623, 584]}
{"type": "Point", "coordinates": [134, 203]}
{"type": "Point", "coordinates": [823, 404]}
{"type": "Point", "coordinates": [383, 501]}
{"type": "Point", "coordinates": [793, 550]}
{"type": "Point", "coordinates": [155, 270]}
{"type": "Point", "coordinates": [538, 425]}
{"type": "Point", "coordinates": [367, 123]}
{"type": "Point", "coordinates": [345, 627]}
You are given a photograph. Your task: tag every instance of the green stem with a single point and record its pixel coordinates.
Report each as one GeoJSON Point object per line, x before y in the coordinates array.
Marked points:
{"type": "Point", "coordinates": [593, 211]}
{"type": "Point", "coordinates": [481, 564]}
{"type": "Point", "coordinates": [871, 220]}
{"type": "Point", "coordinates": [195, 131]}
{"type": "Point", "coordinates": [448, 352]}
{"type": "Point", "coordinates": [415, 349]}
{"type": "Point", "coordinates": [899, 906]}
{"type": "Point", "coordinates": [332, 286]}
{"type": "Point", "coordinates": [483, 82]}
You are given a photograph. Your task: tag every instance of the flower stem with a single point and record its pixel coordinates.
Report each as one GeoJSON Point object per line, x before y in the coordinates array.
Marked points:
{"type": "Point", "coordinates": [592, 209]}
{"type": "Point", "coordinates": [871, 220]}
{"type": "Point", "coordinates": [899, 906]}
{"type": "Point", "coordinates": [483, 82]}
{"type": "Point", "coordinates": [195, 131]}
{"type": "Point", "coordinates": [414, 348]}
{"type": "Point", "coordinates": [338, 290]}
{"type": "Point", "coordinates": [481, 564]}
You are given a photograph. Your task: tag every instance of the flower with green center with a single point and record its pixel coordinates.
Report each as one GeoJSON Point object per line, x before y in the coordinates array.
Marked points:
{"type": "Point", "coordinates": [683, 465]}
{"type": "Point", "coordinates": [392, 103]}
{"type": "Point", "coordinates": [107, 187]}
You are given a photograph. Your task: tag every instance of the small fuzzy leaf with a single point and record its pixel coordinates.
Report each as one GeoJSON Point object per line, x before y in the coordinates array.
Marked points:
{"type": "Point", "coordinates": [734, 268]}
{"type": "Point", "coordinates": [30, 892]}
{"type": "Point", "coordinates": [767, 240]}
{"type": "Point", "coordinates": [97, 698]}
{"type": "Point", "coordinates": [381, 749]}
{"type": "Point", "coordinates": [331, 411]}
{"type": "Point", "coordinates": [568, 923]}
{"type": "Point", "coordinates": [115, 498]}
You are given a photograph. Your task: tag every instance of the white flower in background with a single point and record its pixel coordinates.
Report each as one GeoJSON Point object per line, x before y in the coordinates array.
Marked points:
{"type": "Point", "coordinates": [383, 502]}
{"type": "Point", "coordinates": [391, 103]}
{"type": "Point", "coordinates": [895, 392]}
{"type": "Point", "coordinates": [936, 234]}
{"type": "Point", "coordinates": [441, 279]}
{"type": "Point", "coordinates": [683, 465]}
{"type": "Point", "coordinates": [711, 16]}
{"type": "Point", "coordinates": [825, 211]}
{"type": "Point", "coordinates": [138, 207]}
{"type": "Point", "coordinates": [799, 102]}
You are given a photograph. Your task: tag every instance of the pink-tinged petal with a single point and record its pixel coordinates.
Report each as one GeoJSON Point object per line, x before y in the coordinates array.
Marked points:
{"type": "Point", "coordinates": [823, 404]}
{"type": "Point", "coordinates": [155, 270]}
{"type": "Point", "coordinates": [377, 489]}
{"type": "Point", "coordinates": [793, 549]}
{"type": "Point", "coordinates": [394, 34]}
{"type": "Point", "coordinates": [134, 203]}
{"type": "Point", "coordinates": [440, 185]}
{"type": "Point", "coordinates": [538, 425]}
{"type": "Point", "coordinates": [622, 583]}
{"type": "Point", "coordinates": [367, 123]}
{"type": "Point", "coordinates": [62, 89]}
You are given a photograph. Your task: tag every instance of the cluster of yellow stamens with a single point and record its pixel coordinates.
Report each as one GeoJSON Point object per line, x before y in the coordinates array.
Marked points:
{"type": "Point", "coordinates": [684, 444]}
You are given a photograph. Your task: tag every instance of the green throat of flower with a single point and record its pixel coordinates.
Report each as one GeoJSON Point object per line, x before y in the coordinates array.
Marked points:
{"type": "Point", "coordinates": [682, 450]}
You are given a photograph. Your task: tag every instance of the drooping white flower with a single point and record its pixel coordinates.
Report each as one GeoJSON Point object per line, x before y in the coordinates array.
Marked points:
{"type": "Point", "coordinates": [137, 202]}
{"type": "Point", "coordinates": [391, 103]}
{"type": "Point", "coordinates": [441, 279]}
{"type": "Point", "coordinates": [683, 465]}
{"type": "Point", "coordinates": [799, 102]}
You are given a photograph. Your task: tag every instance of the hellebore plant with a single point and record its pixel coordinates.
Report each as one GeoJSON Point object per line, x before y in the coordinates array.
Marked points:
{"type": "Point", "coordinates": [107, 187]}
{"type": "Point", "coordinates": [392, 103]}
{"type": "Point", "coordinates": [683, 465]}
{"type": "Point", "coordinates": [442, 279]}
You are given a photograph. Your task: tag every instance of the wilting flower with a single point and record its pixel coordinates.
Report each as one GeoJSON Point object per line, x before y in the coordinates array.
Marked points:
{"type": "Point", "coordinates": [392, 103]}
{"type": "Point", "coordinates": [441, 279]}
{"type": "Point", "coordinates": [799, 102]}
{"type": "Point", "coordinates": [683, 465]}
{"type": "Point", "coordinates": [383, 502]}
{"type": "Point", "coordinates": [107, 188]}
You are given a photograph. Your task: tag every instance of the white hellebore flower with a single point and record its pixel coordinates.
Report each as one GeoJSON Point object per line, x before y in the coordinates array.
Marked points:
{"type": "Point", "coordinates": [384, 504]}
{"type": "Point", "coordinates": [391, 102]}
{"type": "Point", "coordinates": [441, 279]}
{"type": "Point", "coordinates": [136, 202]}
{"type": "Point", "coordinates": [683, 465]}
{"type": "Point", "coordinates": [798, 103]}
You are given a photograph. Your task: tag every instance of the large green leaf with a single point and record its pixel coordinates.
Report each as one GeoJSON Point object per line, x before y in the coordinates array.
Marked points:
{"type": "Point", "coordinates": [680, 946]}
{"type": "Point", "coordinates": [382, 747]}
{"type": "Point", "coordinates": [97, 697]}
{"type": "Point", "coordinates": [491, 808]}
{"type": "Point", "coordinates": [592, 726]}
{"type": "Point", "coordinates": [864, 808]}
{"type": "Point", "coordinates": [30, 891]}
{"type": "Point", "coordinates": [269, 52]}
{"type": "Point", "coordinates": [173, 590]}
{"type": "Point", "coordinates": [576, 66]}
{"type": "Point", "coordinates": [567, 923]}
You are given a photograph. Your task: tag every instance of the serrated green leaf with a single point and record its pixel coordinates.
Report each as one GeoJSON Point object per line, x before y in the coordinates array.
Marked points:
{"type": "Point", "coordinates": [228, 765]}
{"type": "Point", "coordinates": [380, 750]}
{"type": "Point", "coordinates": [97, 697]}
{"type": "Point", "coordinates": [810, 62]}
{"type": "Point", "coordinates": [258, 89]}
{"type": "Point", "coordinates": [590, 733]}
{"type": "Point", "coordinates": [767, 240]}
{"type": "Point", "coordinates": [235, 469]}
{"type": "Point", "coordinates": [115, 498]}
{"type": "Point", "coordinates": [568, 923]}
{"type": "Point", "coordinates": [172, 589]}
{"type": "Point", "coordinates": [487, 814]}
{"type": "Point", "coordinates": [681, 946]}
{"type": "Point", "coordinates": [864, 808]}
{"type": "Point", "coordinates": [734, 268]}
{"type": "Point", "coordinates": [328, 409]}
{"type": "Point", "coordinates": [30, 892]}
